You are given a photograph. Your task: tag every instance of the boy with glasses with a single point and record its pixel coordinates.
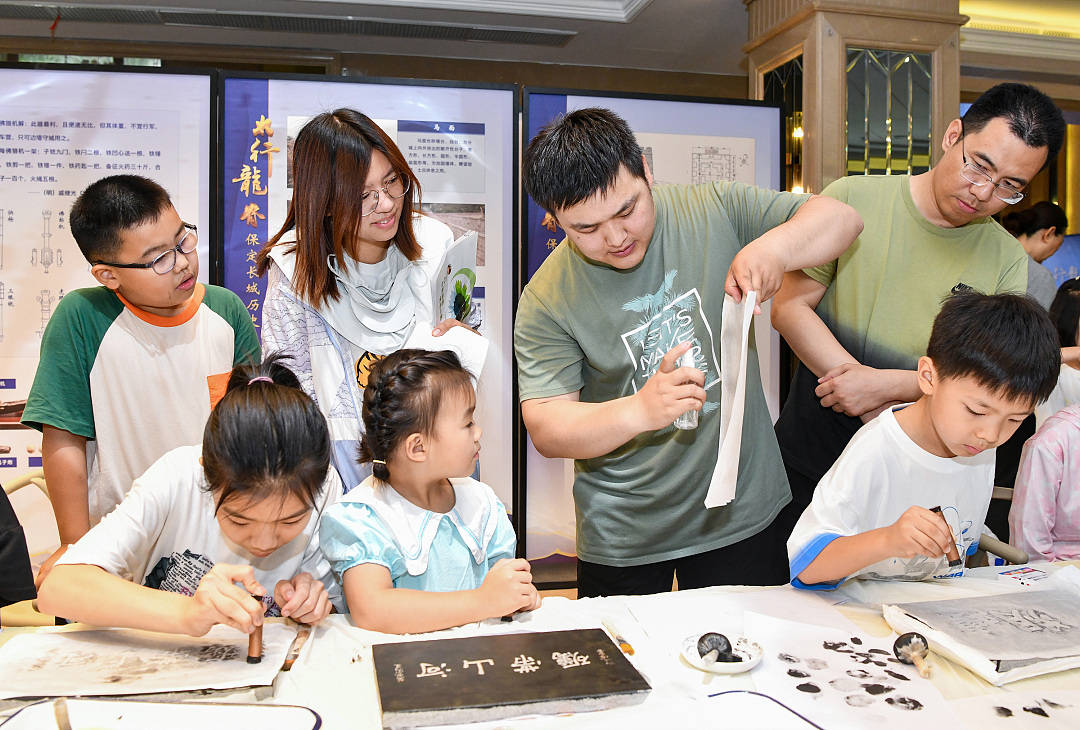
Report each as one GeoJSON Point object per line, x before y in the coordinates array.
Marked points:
{"type": "Point", "coordinates": [130, 369]}
{"type": "Point", "coordinates": [860, 323]}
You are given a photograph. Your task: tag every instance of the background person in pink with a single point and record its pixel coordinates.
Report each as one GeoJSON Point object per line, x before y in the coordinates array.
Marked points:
{"type": "Point", "coordinates": [1045, 517]}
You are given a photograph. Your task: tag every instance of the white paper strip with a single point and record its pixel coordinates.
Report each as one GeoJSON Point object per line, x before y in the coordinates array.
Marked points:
{"type": "Point", "coordinates": [734, 341]}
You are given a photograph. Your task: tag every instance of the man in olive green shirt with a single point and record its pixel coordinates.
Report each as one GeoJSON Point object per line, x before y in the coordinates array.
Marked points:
{"type": "Point", "coordinates": [860, 323]}
{"type": "Point", "coordinates": [640, 281]}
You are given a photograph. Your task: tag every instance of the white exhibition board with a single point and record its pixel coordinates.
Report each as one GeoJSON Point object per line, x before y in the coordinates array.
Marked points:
{"type": "Point", "coordinates": [459, 140]}
{"type": "Point", "coordinates": [684, 141]}
{"type": "Point", "coordinates": [61, 130]}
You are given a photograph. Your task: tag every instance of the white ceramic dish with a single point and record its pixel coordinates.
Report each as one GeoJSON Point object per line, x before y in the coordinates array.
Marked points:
{"type": "Point", "coordinates": [749, 651]}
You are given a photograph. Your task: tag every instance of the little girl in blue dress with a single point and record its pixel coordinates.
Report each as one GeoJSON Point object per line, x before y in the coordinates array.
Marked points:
{"type": "Point", "coordinates": [420, 545]}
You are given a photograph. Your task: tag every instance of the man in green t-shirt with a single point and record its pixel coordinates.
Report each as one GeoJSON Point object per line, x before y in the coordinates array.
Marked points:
{"type": "Point", "coordinates": [860, 323]}
{"type": "Point", "coordinates": [639, 282]}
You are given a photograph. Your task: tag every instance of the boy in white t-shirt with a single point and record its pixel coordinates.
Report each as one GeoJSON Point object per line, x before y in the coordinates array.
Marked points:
{"type": "Point", "coordinates": [878, 511]}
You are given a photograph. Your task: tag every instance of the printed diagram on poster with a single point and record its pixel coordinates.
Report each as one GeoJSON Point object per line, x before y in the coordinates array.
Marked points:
{"type": "Point", "coordinates": [696, 159]}
{"type": "Point", "coordinates": [842, 679]}
{"type": "Point", "coordinates": [125, 661]}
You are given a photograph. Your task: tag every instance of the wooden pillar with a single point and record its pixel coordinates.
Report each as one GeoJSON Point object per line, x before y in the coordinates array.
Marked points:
{"type": "Point", "coordinates": [821, 32]}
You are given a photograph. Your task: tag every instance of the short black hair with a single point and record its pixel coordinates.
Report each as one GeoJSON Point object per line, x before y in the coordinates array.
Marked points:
{"type": "Point", "coordinates": [112, 205]}
{"type": "Point", "coordinates": [1006, 342]}
{"type": "Point", "coordinates": [266, 437]}
{"type": "Point", "coordinates": [577, 156]}
{"type": "Point", "coordinates": [1031, 115]}
{"type": "Point", "coordinates": [1065, 311]}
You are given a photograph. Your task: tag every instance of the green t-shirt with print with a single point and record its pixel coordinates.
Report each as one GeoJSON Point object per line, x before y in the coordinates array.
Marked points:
{"type": "Point", "coordinates": [588, 327]}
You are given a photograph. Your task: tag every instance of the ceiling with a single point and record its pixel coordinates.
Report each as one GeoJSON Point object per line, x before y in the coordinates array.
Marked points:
{"type": "Point", "coordinates": [698, 36]}
{"type": "Point", "coordinates": [702, 36]}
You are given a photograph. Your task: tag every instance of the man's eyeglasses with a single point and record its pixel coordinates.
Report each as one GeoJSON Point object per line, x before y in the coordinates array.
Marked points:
{"type": "Point", "coordinates": [977, 175]}
{"type": "Point", "coordinates": [165, 261]}
{"type": "Point", "coordinates": [397, 186]}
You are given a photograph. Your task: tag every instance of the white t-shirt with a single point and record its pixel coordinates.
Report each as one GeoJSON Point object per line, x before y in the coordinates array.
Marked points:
{"type": "Point", "coordinates": [1065, 393]}
{"type": "Point", "coordinates": [880, 474]}
{"type": "Point", "coordinates": [164, 534]}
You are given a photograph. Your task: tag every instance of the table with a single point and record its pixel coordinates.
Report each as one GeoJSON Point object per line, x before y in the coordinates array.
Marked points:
{"type": "Point", "coordinates": [334, 675]}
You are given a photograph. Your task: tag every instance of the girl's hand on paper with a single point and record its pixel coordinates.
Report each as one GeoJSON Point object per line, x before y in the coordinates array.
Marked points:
{"type": "Point", "coordinates": [918, 532]}
{"type": "Point", "coordinates": [303, 599]}
{"type": "Point", "coordinates": [219, 600]}
{"type": "Point", "coordinates": [670, 392]}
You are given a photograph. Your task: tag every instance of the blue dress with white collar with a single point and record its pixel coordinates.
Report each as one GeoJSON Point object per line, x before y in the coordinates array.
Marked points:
{"type": "Point", "coordinates": [423, 550]}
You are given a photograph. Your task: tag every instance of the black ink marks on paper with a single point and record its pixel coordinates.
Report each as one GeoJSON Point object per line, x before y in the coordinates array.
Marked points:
{"type": "Point", "coordinates": [212, 652]}
{"type": "Point", "coordinates": [904, 703]}
{"type": "Point", "coordinates": [858, 673]}
{"type": "Point", "coordinates": [1036, 710]}
{"type": "Point", "coordinates": [788, 658]}
{"type": "Point", "coordinates": [838, 646]}
{"type": "Point", "coordinates": [1052, 705]}
{"type": "Point", "coordinates": [877, 651]}
{"type": "Point", "coordinates": [857, 641]}
{"type": "Point", "coordinates": [808, 687]}
{"type": "Point", "coordinates": [798, 673]}
{"type": "Point", "coordinates": [896, 675]}
{"type": "Point", "coordinates": [1003, 712]}
{"type": "Point", "coordinates": [859, 700]}
{"type": "Point", "coordinates": [877, 689]}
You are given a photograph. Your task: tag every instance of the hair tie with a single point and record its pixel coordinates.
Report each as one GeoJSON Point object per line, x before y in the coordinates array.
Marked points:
{"type": "Point", "coordinates": [261, 378]}
{"type": "Point", "coordinates": [378, 461]}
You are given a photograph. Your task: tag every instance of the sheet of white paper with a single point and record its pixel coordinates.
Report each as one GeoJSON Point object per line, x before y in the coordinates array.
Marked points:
{"type": "Point", "coordinates": [1046, 709]}
{"type": "Point", "coordinates": [135, 715]}
{"type": "Point", "coordinates": [125, 661]}
{"type": "Point", "coordinates": [842, 679]}
{"type": "Point", "coordinates": [470, 347]}
{"type": "Point", "coordinates": [734, 341]}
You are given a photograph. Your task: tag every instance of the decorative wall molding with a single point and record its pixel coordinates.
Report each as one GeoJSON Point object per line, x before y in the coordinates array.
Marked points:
{"type": "Point", "coordinates": [975, 40]}
{"type": "Point", "coordinates": [612, 11]}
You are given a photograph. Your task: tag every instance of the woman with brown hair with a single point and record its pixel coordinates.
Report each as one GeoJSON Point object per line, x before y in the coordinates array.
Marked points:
{"type": "Point", "coordinates": [350, 271]}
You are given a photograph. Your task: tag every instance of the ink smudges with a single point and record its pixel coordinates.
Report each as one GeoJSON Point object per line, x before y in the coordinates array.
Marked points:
{"type": "Point", "coordinates": [896, 675]}
{"type": "Point", "coordinates": [856, 640]}
{"type": "Point", "coordinates": [877, 689]}
{"type": "Point", "coordinates": [858, 673]}
{"type": "Point", "coordinates": [816, 664]}
{"type": "Point", "coordinates": [798, 673]}
{"type": "Point", "coordinates": [1052, 705]}
{"type": "Point", "coordinates": [878, 651]}
{"type": "Point", "coordinates": [809, 687]}
{"type": "Point", "coordinates": [904, 703]}
{"type": "Point", "coordinates": [859, 700]}
{"type": "Point", "coordinates": [844, 684]}
{"type": "Point", "coordinates": [1003, 712]}
{"type": "Point", "coordinates": [840, 646]}
{"type": "Point", "coordinates": [1036, 710]}
{"type": "Point", "coordinates": [788, 658]}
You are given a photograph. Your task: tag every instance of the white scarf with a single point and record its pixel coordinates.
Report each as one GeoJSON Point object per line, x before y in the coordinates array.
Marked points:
{"type": "Point", "coordinates": [377, 306]}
